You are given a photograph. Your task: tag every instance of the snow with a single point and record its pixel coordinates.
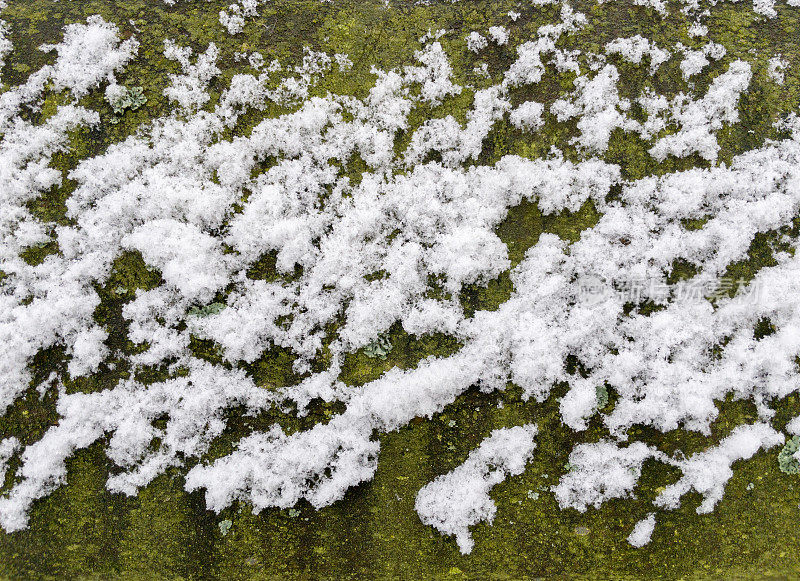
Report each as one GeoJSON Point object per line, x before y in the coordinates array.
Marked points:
{"type": "Point", "coordinates": [696, 60]}
{"type": "Point", "coordinates": [434, 74]}
{"type": "Point", "coordinates": [528, 116]}
{"type": "Point", "coordinates": [641, 533]}
{"type": "Point", "coordinates": [597, 103]}
{"type": "Point", "coordinates": [601, 471]}
{"type": "Point", "coordinates": [476, 42]}
{"type": "Point", "coordinates": [89, 54]}
{"type": "Point", "coordinates": [499, 35]}
{"type": "Point", "coordinates": [201, 207]}
{"type": "Point", "coordinates": [698, 118]}
{"type": "Point", "coordinates": [776, 69]}
{"type": "Point", "coordinates": [189, 89]}
{"type": "Point", "coordinates": [708, 472]}
{"type": "Point", "coordinates": [459, 499]}
{"type": "Point", "coordinates": [635, 48]}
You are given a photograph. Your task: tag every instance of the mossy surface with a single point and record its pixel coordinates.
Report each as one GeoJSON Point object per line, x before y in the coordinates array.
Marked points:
{"type": "Point", "coordinates": [83, 531]}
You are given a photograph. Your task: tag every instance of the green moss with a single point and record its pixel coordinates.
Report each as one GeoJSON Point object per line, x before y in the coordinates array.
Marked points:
{"type": "Point", "coordinates": [274, 368]}
{"type": "Point", "coordinates": [35, 255]}
{"type": "Point", "coordinates": [160, 535]}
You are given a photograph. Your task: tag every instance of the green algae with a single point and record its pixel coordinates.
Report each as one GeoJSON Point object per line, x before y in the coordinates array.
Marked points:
{"type": "Point", "coordinates": [83, 531]}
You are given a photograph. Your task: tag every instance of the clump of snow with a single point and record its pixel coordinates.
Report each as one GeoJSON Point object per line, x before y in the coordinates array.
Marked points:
{"type": "Point", "coordinates": [597, 103]}
{"type": "Point", "coordinates": [698, 119]}
{"type": "Point", "coordinates": [267, 471]}
{"type": "Point", "coordinates": [601, 471]}
{"type": "Point", "coordinates": [528, 116]}
{"type": "Point", "coordinates": [446, 135]}
{"type": "Point", "coordinates": [195, 403]}
{"type": "Point", "coordinates": [776, 69]}
{"type": "Point", "coordinates": [697, 29]}
{"type": "Point", "coordinates": [641, 533]}
{"type": "Point", "coordinates": [499, 35]}
{"type": "Point", "coordinates": [708, 472]}
{"type": "Point", "coordinates": [434, 75]}
{"type": "Point", "coordinates": [232, 19]}
{"type": "Point", "coordinates": [765, 7]}
{"type": "Point", "coordinates": [476, 42]}
{"type": "Point", "coordinates": [695, 61]}
{"type": "Point", "coordinates": [459, 499]}
{"type": "Point", "coordinates": [529, 66]}
{"type": "Point", "coordinates": [88, 352]}
{"type": "Point", "coordinates": [90, 53]}
{"type": "Point", "coordinates": [189, 89]}
{"type": "Point", "coordinates": [635, 48]}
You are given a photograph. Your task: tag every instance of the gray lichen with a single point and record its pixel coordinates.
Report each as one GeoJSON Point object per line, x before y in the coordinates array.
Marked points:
{"type": "Point", "coordinates": [225, 526]}
{"type": "Point", "coordinates": [208, 310]}
{"type": "Point", "coordinates": [786, 460]}
{"type": "Point", "coordinates": [123, 99]}
{"type": "Point", "coordinates": [379, 348]}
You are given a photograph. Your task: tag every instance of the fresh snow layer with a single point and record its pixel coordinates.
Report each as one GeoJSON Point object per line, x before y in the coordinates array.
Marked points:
{"type": "Point", "coordinates": [354, 259]}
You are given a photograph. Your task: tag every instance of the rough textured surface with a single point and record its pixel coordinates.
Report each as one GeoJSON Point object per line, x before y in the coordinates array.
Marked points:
{"type": "Point", "coordinates": [82, 530]}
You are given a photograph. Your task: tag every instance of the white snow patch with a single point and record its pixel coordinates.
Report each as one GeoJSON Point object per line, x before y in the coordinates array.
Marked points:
{"type": "Point", "coordinates": [641, 533]}
{"type": "Point", "coordinates": [708, 472]}
{"type": "Point", "coordinates": [459, 499]}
